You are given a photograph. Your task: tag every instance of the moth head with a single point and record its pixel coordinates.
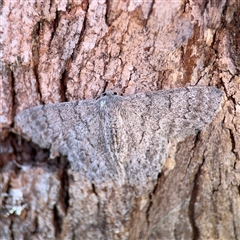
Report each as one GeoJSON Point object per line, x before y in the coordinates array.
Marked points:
{"type": "Point", "coordinates": [108, 93]}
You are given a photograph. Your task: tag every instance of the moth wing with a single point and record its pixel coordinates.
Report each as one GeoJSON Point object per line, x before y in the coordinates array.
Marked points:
{"type": "Point", "coordinates": [55, 125]}
{"type": "Point", "coordinates": [72, 129]}
{"type": "Point", "coordinates": [174, 113]}
{"type": "Point", "coordinates": [149, 120]}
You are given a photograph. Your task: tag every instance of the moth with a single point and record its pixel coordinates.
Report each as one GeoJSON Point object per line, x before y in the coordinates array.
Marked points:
{"type": "Point", "coordinates": [120, 137]}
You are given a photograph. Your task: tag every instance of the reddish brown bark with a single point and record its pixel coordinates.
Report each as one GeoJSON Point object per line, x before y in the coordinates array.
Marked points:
{"type": "Point", "coordinates": [65, 51]}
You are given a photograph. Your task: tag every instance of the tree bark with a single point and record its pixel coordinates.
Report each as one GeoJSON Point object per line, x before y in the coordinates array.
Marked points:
{"type": "Point", "coordinates": [73, 50]}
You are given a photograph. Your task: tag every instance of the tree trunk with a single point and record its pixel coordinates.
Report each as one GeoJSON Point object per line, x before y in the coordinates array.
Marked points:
{"type": "Point", "coordinates": [64, 51]}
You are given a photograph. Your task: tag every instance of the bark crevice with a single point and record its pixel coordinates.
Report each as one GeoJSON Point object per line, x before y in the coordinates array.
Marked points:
{"type": "Point", "coordinates": [193, 198]}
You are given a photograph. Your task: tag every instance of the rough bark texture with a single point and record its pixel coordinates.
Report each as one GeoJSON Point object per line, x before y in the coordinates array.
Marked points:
{"type": "Point", "coordinates": [56, 51]}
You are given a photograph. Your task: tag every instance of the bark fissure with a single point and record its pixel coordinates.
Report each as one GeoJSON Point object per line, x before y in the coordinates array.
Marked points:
{"type": "Point", "coordinates": [229, 97]}
{"type": "Point", "coordinates": [151, 197]}
{"type": "Point", "coordinates": [36, 225]}
{"type": "Point", "coordinates": [57, 222]}
{"type": "Point", "coordinates": [185, 4]}
{"type": "Point", "coordinates": [54, 23]}
{"type": "Point", "coordinates": [108, 2]}
{"type": "Point", "coordinates": [13, 93]}
{"type": "Point", "coordinates": [233, 144]}
{"type": "Point", "coordinates": [64, 190]}
{"type": "Point", "coordinates": [63, 85]}
{"type": "Point", "coordinates": [83, 31]}
{"type": "Point", "coordinates": [96, 194]}
{"type": "Point", "coordinates": [193, 198]}
{"type": "Point", "coordinates": [150, 10]}
{"type": "Point", "coordinates": [35, 54]}
{"type": "Point", "coordinates": [11, 230]}
{"type": "Point", "coordinates": [105, 86]}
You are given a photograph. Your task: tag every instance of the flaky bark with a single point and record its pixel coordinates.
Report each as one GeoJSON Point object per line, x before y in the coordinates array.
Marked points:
{"type": "Point", "coordinates": [54, 52]}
